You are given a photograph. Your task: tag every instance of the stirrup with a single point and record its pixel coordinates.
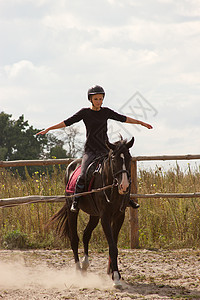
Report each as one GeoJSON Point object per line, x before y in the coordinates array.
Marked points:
{"type": "Point", "coordinates": [74, 207]}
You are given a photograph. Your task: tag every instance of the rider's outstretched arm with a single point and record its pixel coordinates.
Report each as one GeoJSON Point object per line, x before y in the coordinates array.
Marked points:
{"type": "Point", "coordinates": [134, 121]}
{"type": "Point", "coordinates": [57, 126]}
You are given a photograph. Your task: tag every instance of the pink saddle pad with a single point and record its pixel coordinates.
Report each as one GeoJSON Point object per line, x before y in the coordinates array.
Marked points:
{"type": "Point", "coordinates": [70, 187]}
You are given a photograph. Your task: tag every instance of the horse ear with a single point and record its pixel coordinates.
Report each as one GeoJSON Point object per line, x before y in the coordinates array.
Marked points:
{"type": "Point", "coordinates": [130, 143]}
{"type": "Point", "coordinates": [110, 145]}
{"type": "Point", "coordinates": [121, 138]}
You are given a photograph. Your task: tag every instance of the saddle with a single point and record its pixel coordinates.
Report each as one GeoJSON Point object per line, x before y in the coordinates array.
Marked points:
{"type": "Point", "coordinates": [71, 185]}
{"type": "Point", "coordinates": [92, 170]}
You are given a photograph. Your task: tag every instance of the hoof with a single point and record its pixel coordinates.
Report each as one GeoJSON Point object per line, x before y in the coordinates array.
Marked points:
{"type": "Point", "coordinates": [85, 266]}
{"type": "Point", "coordinates": [78, 266]}
{"type": "Point", "coordinates": [116, 280]}
{"type": "Point", "coordinates": [85, 263]}
{"type": "Point", "coordinates": [117, 284]}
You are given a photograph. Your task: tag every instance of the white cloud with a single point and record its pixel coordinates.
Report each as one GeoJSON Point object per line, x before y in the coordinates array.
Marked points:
{"type": "Point", "coordinates": [192, 78]}
{"type": "Point", "coordinates": [18, 68]}
{"type": "Point", "coordinates": [61, 21]}
{"type": "Point", "coordinates": [52, 51]}
{"type": "Point", "coordinates": [165, 1]}
{"type": "Point", "coordinates": [189, 8]}
{"type": "Point", "coordinates": [26, 72]}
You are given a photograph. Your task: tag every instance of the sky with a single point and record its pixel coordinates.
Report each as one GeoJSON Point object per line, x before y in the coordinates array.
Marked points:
{"type": "Point", "coordinates": [144, 53]}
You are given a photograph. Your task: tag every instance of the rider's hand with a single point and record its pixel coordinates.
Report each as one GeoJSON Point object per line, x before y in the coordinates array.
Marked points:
{"type": "Point", "coordinates": [42, 132]}
{"type": "Point", "coordinates": [146, 125]}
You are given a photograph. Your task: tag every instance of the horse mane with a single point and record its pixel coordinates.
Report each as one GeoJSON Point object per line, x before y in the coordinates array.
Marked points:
{"type": "Point", "coordinates": [119, 145]}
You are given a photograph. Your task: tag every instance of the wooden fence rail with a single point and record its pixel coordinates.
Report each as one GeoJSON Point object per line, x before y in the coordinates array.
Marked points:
{"type": "Point", "coordinates": [38, 162]}
{"type": "Point", "coordinates": [166, 157]}
{"type": "Point", "coordinates": [46, 162]}
{"type": "Point", "coordinates": [134, 223]}
{"type": "Point", "coordinates": [8, 202]}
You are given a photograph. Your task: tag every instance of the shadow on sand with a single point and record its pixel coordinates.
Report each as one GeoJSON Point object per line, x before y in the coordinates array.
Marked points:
{"type": "Point", "coordinates": [160, 290]}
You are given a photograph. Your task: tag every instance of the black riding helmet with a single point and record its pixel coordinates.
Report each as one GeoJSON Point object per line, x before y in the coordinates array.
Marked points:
{"type": "Point", "coordinates": [96, 89]}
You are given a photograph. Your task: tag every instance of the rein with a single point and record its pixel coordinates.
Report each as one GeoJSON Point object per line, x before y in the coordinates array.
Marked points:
{"type": "Point", "coordinates": [67, 197]}
{"type": "Point", "coordinates": [104, 188]}
{"type": "Point", "coordinates": [120, 172]}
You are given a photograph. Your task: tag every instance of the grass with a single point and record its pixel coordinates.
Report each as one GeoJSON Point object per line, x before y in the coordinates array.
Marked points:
{"type": "Point", "coordinates": [170, 223]}
{"type": "Point", "coordinates": [163, 223]}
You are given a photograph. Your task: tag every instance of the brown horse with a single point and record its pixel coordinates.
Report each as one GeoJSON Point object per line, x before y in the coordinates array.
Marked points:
{"type": "Point", "coordinates": [108, 205]}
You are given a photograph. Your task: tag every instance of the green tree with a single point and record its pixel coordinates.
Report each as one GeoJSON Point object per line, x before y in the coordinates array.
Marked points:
{"type": "Point", "coordinates": [18, 139]}
{"type": "Point", "coordinates": [57, 152]}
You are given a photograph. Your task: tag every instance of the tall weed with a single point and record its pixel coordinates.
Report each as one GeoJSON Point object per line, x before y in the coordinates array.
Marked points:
{"type": "Point", "coordinates": [163, 223]}
{"type": "Point", "coordinates": [169, 223]}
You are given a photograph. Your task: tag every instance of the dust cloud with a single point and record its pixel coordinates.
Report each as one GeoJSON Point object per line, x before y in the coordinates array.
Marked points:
{"type": "Point", "coordinates": [16, 275]}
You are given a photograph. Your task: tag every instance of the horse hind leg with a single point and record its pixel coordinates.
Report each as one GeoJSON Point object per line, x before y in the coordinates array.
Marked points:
{"type": "Point", "coordinates": [93, 222]}
{"type": "Point", "coordinates": [73, 236]}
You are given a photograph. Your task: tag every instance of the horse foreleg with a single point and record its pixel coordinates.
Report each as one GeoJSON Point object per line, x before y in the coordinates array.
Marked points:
{"type": "Point", "coordinates": [93, 221]}
{"type": "Point", "coordinates": [113, 251]}
{"type": "Point", "coordinates": [116, 227]}
{"type": "Point", "coordinates": [109, 269]}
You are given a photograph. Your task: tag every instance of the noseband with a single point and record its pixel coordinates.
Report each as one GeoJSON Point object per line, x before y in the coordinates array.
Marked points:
{"type": "Point", "coordinates": [115, 174]}
{"type": "Point", "coordinates": [115, 179]}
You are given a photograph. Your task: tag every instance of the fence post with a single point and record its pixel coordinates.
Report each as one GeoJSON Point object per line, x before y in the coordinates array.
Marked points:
{"type": "Point", "coordinates": [133, 213]}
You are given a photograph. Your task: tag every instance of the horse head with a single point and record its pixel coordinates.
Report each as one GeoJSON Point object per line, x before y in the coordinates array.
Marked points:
{"type": "Point", "coordinates": [120, 164]}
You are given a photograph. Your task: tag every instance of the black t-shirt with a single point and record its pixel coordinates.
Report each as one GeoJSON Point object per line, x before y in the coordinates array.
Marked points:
{"type": "Point", "coordinates": [96, 126]}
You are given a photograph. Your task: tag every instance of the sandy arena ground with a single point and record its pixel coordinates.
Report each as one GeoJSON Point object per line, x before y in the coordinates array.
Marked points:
{"type": "Point", "coordinates": [44, 274]}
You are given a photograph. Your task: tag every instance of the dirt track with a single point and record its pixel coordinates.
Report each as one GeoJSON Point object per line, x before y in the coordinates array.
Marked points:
{"type": "Point", "coordinates": [43, 274]}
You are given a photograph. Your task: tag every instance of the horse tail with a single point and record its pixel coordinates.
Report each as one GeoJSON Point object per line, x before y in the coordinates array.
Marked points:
{"type": "Point", "coordinates": [61, 217]}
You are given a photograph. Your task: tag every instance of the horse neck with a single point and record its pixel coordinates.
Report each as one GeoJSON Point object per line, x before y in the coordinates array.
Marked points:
{"type": "Point", "coordinates": [107, 172]}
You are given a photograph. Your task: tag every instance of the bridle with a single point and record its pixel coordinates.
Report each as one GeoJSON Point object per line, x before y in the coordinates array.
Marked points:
{"type": "Point", "coordinates": [115, 180]}
{"type": "Point", "coordinates": [115, 174]}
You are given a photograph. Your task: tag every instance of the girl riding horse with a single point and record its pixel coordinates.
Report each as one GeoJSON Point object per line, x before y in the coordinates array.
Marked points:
{"type": "Point", "coordinates": [95, 119]}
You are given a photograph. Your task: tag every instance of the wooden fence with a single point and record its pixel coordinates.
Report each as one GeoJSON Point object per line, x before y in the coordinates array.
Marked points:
{"type": "Point", "coordinates": [134, 222]}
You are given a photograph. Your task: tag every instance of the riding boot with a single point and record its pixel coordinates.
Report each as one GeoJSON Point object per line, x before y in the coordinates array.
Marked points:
{"type": "Point", "coordinates": [78, 189]}
{"type": "Point", "coordinates": [133, 204]}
